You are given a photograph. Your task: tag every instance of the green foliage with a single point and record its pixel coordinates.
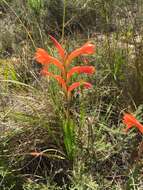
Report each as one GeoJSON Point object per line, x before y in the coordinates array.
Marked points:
{"type": "Point", "coordinates": [36, 5]}
{"type": "Point", "coordinates": [81, 179]}
{"type": "Point", "coordinates": [8, 177]}
{"type": "Point", "coordinates": [69, 138]}
{"type": "Point", "coordinates": [7, 70]}
{"type": "Point", "coordinates": [118, 64]}
{"type": "Point", "coordinates": [35, 186]}
{"type": "Point", "coordinates": [133, 182]}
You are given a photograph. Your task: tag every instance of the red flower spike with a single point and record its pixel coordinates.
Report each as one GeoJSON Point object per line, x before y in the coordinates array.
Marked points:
{"type": "Point", "coordinates": [80, 69]}
{"type": "Point", "coordinates": [61, 81]}
{"type": "Point", "coordinates": [57, 77]}
{"type": "Point", "coordinates": [86, 49]}
{"type": "Point", "coordinates": [130, 121]}
{"type": "Point", "coordinates": [44, 58]}
{"type": "Point", "coordinates": [57, 63]}
{"type": "Point", "coordinates": [87, 85]}
{"type": "Point", "coordinates": [77, 84]}
{"type": "Point", "coordinates": [44, 72]}
{"type": "Point", "coordinates": [59, 47]}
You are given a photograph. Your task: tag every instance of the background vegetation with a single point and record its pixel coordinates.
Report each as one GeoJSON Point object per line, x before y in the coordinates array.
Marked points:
{"type": "Point", "coordinates": [106, 157]}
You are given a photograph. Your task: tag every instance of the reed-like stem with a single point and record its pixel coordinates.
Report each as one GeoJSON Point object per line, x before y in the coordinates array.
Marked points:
{"type": "Point", "coordinates": [64, 16]}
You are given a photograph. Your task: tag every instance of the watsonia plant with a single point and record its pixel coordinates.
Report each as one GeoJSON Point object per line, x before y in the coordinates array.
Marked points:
{"type": "Point", "coordinates": [66, 71]}
{"type": "Point", "coordinates": [130, 121]}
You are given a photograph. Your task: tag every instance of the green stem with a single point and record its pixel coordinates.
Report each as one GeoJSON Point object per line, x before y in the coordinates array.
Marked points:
{"type": "Point", "coordinates": [64, 16]}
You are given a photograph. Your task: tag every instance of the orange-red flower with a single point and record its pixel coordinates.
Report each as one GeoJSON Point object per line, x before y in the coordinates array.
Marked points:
{"type": "Point", "coordinates": [81, 69]}
{"type": "Point", "coordinates": [64, 65]}
{"type": "Point", "coordinates": [57, 77]}
{"type": "Point", "coordinates": [77, 84]}
{"type": "Point", "coordinates": [86, 49]}
{"type": "Point", "coordinates": [44, 58]}
{"type": "Point", "coordinates": [130, 121]}
{"type": "Point", "coordinates": [60, 49]}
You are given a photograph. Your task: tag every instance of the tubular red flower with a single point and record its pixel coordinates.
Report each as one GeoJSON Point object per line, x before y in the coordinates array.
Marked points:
{"type": "Point", "coordinates": [77, 84]}
{"type": "Point", "coordinates": [44, 72]}
{"type": "Point", "coordinates": [57, 63]}
{"type": "Point", "coordinates": [86, 49]}
{"type": "Point", "coordinates": [81, 69]}
{"type": "Point", "coordinates": [44, 58]}
{"type": "Point", "coordinates": [60, 49]}
{"type": "Point", "coordinates": [60, 80]}
{"type": "Point", "coordinates": [130, 121]}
